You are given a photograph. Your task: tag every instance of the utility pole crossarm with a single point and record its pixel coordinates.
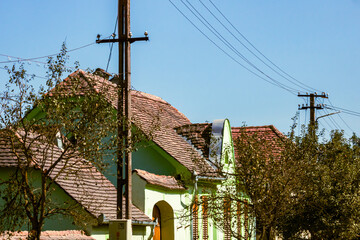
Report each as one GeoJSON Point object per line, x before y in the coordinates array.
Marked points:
{"type": "Point", "coordinates": [323, 95]}
{"type": "Point", "coordinates": [123, 39]}
{"type": "Point", "coordinates": [312, 105]}
{"type": "Point", "coordinates": [303, 107]}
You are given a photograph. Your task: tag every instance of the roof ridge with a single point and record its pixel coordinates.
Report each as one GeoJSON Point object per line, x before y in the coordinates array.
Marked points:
{"type": "Point", "coordinates": [149, 96]}
{"type": "Point", "coordinates": [157, 99]}
{"type": "Point", "coordinates": [246, 127]}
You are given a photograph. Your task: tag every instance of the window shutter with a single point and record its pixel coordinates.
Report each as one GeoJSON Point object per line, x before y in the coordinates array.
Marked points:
{"type": "Point", "coordinates": [195, 220]}
{"type": "Point", "coordinates": [246, 219]}
{"type": "Point", "coordinates": [227, 219]}
{"type": "Point", "coordinates": [205, 217]}
{"type": "Point", "coordinates": [238, 218]}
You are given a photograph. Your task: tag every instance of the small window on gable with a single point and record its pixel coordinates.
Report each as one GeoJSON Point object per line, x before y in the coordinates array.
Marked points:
{"type": "Point", "coordinates": [59, 140]}
{"type": "Point", "coordinates": [226, 157]}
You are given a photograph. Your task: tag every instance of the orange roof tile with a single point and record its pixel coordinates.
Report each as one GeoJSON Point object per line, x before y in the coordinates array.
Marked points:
{"type": "Point", "coordinates": [168, 182]}
{"type": "Point", "coordinates": [269, 133]}
{"type": "Point", "coordinates": [198, 134]}
{"type": "Point", "coordinates": [82, 181]}
{"type": "Point", "coordinates": [151, 114]}
{"type": "Point", "coordinates": [48, 235]}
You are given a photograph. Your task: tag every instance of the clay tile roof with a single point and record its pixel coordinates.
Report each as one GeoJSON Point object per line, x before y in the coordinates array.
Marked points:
{"type": "Point", "coordinates": [198, 134]}
{"type": "Point", "coordinates": [152, 115]}
{"type": "Point", "coordinates": [168, 182]}
{"type": "Point", "coordinates": [82, 181]}
{"type": "Point", "coordinates": [269, 133]}
{"type": "Point", "coordinates": [49, 235]}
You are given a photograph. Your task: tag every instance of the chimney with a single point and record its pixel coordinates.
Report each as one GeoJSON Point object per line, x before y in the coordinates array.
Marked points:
{"type": "Point", "coordinates": [101, 72]}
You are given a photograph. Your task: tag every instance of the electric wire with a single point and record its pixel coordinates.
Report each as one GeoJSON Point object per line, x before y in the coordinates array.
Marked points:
{"type": "Point", "coordinates": [342, 118]}
{"type": "Point", "coordinates": [350, 112]}
{"type": "Point", "coordinates": [31, 75]}
{"type": "Point", "coordinates": [252, 52]}
{"type": "Point", "coordinates": [46, 56]}
{"type": "Point", "coordinates": [257, 50]}
{"type": "Point", "coordinates": [327, 123]}
{"type": "Point", "coordinates": [209, 26]}
{"type": "Point", "coordinates": [226, 53]}
{"type": "Point", "coordinates": [112, 44]}
{"type": "Point", "coordinates": [331, 118]}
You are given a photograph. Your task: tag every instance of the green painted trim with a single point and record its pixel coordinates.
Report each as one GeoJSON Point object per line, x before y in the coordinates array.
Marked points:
{"type": "Point", "coordinates": [180, 169]}
{"type": "Point", "coordinates": [164, 190]}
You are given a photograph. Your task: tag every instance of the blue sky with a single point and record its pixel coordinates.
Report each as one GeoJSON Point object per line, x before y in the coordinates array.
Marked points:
{"type": "Point", "coordinates": [315, 42]}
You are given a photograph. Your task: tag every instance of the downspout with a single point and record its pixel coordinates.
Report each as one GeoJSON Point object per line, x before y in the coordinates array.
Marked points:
{"type": "Point", "coordinates": [152, 230]}
{"type": "Point", "coordinates": [211, 178]}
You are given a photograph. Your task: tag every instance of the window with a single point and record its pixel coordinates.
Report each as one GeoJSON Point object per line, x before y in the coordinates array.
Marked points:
{"type": "Point", "coordinates": [227, 219]}
{"type": "Point", "coordinates": [195, 220]}
{"type": "Point", "coordinates": [238, 218]}
{"type": "Point", "coordinates": [204, 206]}
{"type": "Point", "coordinates": [59, 140]}
{"type": "Point", "coordinates": [246, 219]}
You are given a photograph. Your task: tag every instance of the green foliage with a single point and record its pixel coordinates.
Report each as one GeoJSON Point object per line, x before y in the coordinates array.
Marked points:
{"type": "Point", "coordinates": [297, 187]}
{"type": "Point", "coordinates": [328, 202]}
{"type": "Point", "coordinates": [49, 133]}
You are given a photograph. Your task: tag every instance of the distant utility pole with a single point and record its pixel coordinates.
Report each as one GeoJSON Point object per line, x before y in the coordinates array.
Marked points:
{"type": "Point", "coordinates": [124, 112]}
{"type": "Point", "coordinates": [312, 106]}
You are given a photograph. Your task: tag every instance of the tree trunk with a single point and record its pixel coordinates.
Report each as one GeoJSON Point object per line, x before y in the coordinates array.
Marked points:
{"type": "Point", "coordinates": [265, 234]}
{"type": "Point", "coordinates": [35, 232]}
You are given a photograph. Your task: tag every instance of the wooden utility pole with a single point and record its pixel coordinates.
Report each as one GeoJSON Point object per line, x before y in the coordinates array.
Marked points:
{"type": "Point", "coordinates": [312, 106]}
{"type": "Point", "coordinates": [124, 107]}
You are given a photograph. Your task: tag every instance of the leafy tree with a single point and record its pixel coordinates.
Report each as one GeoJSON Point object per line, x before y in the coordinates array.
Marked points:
{"type": "Point", "coordinates": [48, 134]}
{"type": "Point", "coordinates": [268, 177]}
{"type": "Point", "coordinates": [328, 204]}
{"type": "Point", "coordinates": [297, 187]}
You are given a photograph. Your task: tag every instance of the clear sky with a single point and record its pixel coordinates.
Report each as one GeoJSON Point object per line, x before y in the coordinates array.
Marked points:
{"type": "Point", "coordinates": [316, 42]}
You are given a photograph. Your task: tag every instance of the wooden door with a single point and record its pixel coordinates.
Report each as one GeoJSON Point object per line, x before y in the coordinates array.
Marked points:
{"type": "Point", "coordinates": [157, 219]}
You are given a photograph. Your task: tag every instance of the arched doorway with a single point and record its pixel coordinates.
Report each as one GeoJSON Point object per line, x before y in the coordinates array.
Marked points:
{"type": "Point", "coordinates": [163, 215]}
{"type": "Point", "coordinates": [157, 218]}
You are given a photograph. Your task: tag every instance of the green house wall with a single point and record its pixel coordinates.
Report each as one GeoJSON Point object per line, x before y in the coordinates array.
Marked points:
{"type": "Point", "coordinates": [56, 223]}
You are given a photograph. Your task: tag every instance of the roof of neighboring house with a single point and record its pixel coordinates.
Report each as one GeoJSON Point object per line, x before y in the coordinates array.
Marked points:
{"type": "Point", "coordinates": [198, 134]}
{"type": "Point", "coordinates": [80, 179]}
{"type": "Point", "coordinates": [48, 235]}
{"type": "Point", "coordinates": [269, 133]}
{"type": "Point", "coordinates": [168, 182]}
{"type": "Point", "coordinates": [153, 115]}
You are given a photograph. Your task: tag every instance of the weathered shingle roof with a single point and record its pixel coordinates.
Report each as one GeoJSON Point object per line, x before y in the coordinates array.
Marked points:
{"type": "Point", "coordinates": [82, 181]}
{"type": "Point", "coordinates": [152, 115]}
{"type": "Point", "coordinates": [198, 134]}
{"type": "Point", "coordinates": [269, 133]}
{"type": "Point", "coordinates": [168, 182]}
{"type": "Point", "coordinates": [49, 235]}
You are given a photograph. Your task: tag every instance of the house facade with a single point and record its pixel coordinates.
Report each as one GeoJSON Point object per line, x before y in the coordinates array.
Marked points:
{"type": "Point", "coordinates": [174, 171]}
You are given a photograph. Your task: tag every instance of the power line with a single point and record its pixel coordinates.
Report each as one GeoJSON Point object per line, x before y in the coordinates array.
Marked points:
{"type": "Point", "coordinates": [342, 118]}
{"type": "Point", "coordinates": [252, 52]}
{"type": "Point", "coordinates": [47, 56]}
{"type": "Point", "coordinates": [230, 46]}
{"type": "Point", "coordinates": [112, 44]}
{"type": "Point", "coordinates": [326, 121]}
{"type": "Point", "coordinates": [257, 50]}
{"type": "Point", "coordinates": [31, 75]}
{"type": "Point", "coordinates": [226, 53]}
{"type": "Point", "coordinates": [332, 120]}
{"type": "Point", "coordinates": [350, 112]}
